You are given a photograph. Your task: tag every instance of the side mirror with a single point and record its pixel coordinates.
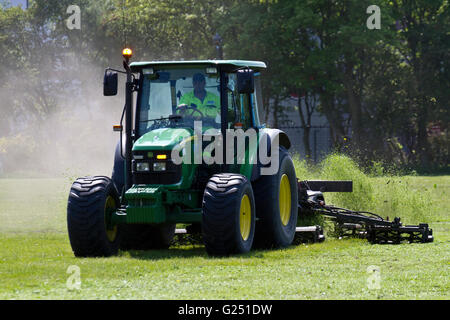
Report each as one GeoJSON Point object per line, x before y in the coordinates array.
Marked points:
{"type": "Point", "coordinates": [246, 81]}
{"type": "Point", "coordinates": [110, 83]}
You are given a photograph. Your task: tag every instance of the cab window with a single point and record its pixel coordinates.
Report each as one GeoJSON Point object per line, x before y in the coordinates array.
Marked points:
{"type": "Point", "coordinates": [239, 105]}
{"type": "Point", "coordinates": [258, 109]}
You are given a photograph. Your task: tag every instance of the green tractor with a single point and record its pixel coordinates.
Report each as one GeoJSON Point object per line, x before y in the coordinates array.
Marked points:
{"type": "Point", "coordinates": [234, 204]}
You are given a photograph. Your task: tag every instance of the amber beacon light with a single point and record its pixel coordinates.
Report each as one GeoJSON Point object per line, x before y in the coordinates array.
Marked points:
{"type": "Point", "coordinates": [127, 53]}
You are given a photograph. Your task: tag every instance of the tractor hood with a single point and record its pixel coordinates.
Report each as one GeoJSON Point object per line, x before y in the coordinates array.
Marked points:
{"type": "Point", "coordinates": [161, 139]}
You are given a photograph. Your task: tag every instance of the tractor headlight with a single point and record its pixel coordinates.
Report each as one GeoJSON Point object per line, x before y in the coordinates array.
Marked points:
{"type": "Point", "coordinates": [159, 166]}
{"type": "Point", "coordinates": [143, 166]}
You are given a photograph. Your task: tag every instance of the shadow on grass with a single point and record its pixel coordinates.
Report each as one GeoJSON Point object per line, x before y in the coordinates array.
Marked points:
{"type": "Point", "coordinates": [171, 253]}
{"type": "Point", "coordinates": [196, 251]}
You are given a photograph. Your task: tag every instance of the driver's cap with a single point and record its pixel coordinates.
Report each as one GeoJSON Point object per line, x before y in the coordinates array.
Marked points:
{"type": "Point", "coordinates": [198, 77]}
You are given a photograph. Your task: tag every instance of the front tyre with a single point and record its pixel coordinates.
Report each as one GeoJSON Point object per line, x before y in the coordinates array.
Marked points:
{"type": "Point", "coordinates": [228, 220]}
{"type": "Point", "coordinates": [92, 201]}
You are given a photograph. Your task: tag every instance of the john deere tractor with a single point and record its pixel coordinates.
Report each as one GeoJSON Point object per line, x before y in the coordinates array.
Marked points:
{"type": "Point", "coordinates": [234, 205]}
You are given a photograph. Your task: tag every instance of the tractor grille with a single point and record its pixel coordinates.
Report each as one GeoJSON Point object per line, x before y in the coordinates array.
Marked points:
{"type": "Point", "coordinates": [171, 175]}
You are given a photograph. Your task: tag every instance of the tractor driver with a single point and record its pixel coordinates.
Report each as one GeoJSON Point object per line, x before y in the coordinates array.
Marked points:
{"type": "Point", "coordinates": [206, 102]}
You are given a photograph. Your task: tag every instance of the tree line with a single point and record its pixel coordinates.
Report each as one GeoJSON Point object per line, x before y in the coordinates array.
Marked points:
{"type": "Point", "coordinates": [392, 83]}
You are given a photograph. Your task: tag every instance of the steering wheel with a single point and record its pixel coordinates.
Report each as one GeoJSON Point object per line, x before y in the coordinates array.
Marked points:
{"type": "Point", "coordinates": [184, 107]}
{"type": "Point", "coordinates": [194, 111]}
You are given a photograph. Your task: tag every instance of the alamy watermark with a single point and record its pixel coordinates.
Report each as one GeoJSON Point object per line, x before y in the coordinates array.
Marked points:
{"type": "Point", "coordinates": [374, 278]}
{"type": "Point", "coordinates": [374, 20]}
{"type": "Point", "coordinates": [74, 20]}
{"type": "Point", "coordinates": [74, 280]}
{"type": "Point", "coordinates": [262, 148]}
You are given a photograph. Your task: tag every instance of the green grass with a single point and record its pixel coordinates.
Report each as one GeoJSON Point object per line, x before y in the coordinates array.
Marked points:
{"type": "Point", "coordinates": [35, 252]}
{"type": "Point", "coordinates": [33, 205]}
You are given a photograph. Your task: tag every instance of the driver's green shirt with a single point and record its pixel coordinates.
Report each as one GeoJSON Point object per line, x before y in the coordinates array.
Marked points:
{"type": "Point", "coordinates": [205, 106]}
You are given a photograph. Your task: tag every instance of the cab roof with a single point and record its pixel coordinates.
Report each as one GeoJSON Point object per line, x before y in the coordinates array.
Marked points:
{"type": "Point", "coordinates": [236, 63]}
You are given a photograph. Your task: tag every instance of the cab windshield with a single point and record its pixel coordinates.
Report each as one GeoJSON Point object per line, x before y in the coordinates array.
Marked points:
{"type": "Point", "coordinates": [175, 98]}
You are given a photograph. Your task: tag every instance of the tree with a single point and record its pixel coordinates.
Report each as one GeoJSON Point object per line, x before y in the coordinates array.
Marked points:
{"type": "Point", "coordinates": [424, 26]}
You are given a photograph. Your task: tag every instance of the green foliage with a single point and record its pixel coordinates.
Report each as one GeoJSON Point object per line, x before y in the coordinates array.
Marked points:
{"type": "Point", "coordinates": [323, 48]}
{"type": "Point", "coordinates": [302, 169]}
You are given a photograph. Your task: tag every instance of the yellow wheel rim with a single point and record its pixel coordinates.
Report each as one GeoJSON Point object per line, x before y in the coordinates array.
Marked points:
{"type": "Point", "coordinates": [110, 206]}
{"type": "Point", "coordinates": [285, 200]}
{"type": "Point", "coordinates": [245, 218]}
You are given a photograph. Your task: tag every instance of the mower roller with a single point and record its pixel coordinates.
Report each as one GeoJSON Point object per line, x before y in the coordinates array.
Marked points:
{"type": "Point", "coordinates": [157, 182]}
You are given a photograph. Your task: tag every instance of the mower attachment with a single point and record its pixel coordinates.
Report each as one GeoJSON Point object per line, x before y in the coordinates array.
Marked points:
{"type": "Point", "coordinates": [309, 234]}
{"type": "Point", "coordinates": [357, 223]}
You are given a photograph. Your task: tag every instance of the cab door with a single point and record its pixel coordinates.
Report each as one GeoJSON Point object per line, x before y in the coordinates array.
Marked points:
{"type": "Point", "coordinates": [243, 122]}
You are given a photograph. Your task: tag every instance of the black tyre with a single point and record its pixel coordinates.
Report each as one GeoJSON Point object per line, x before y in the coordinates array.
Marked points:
{"type": "Point", "coordinates": [276, 205]}
{"type": "Point", "coordinates": [118, 173]}
{"type": "Point", "coordinates": [228, 220]}
{"type": "Point", "coordinates": [91, 203]}
{"type": "Point", "coordinates": [146, 236]}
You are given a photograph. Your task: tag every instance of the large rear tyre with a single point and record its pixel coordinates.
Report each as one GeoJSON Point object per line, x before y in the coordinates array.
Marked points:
{"type": "Point", "coordinates": [118, 173]}
{"type": "Point", "coordinates": [276, 205]}
{"type": "Point", "coordinates": [92, 200]}
{"type": "Point", "coordinates": [147, 237]}
{"type": "Point", "coordinates": [228, 220]}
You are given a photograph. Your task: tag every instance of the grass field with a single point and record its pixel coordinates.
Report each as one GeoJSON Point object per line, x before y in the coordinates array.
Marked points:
{"type": "Point", "coordinates": [35, 253]}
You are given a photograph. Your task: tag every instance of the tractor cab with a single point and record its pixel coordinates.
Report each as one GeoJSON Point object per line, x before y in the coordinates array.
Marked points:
{"type": "Point", "coordinates": [223, 94]}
